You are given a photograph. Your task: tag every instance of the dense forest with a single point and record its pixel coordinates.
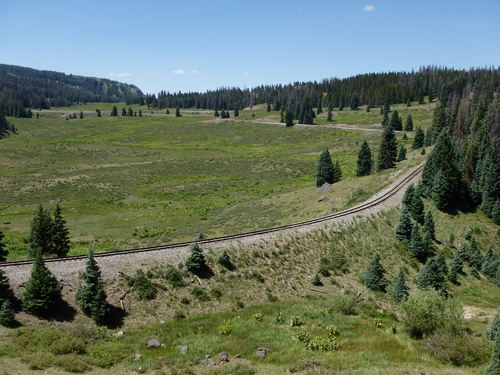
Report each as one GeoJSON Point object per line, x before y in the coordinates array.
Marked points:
{"type": "Point", "coordinates": [22, 88]}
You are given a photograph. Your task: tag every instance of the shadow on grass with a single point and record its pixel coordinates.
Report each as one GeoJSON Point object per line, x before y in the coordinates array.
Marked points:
{"type": "Point", "coordinates": [115, 317]}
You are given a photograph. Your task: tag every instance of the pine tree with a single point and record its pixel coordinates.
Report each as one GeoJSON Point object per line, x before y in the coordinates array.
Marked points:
{"type": "Point", "coordinates": [225, 260]}
{"type": "Point", "coordinates": [400, 291]}
{"type": "Point", "coordinates": [373, 276]}
{"type": "Point", "coordinates": [439, 123]}
{"type": "Point", "coordinates": [216, 113]}
{"type": "Point", "coordinates": [320, 107]}
{"type": "Point", "coordinates": [401, 153]}
{"type": "Point", "coordinates": [236, 112]}
{"type": "Point", "coordinates": [41, 292]}
{"type": "Point", "coordinates": [419, 139]}
{"type": "Point", "coordinates": [475, 257]}
{"type": "Point", "coordinates": [409, 123]}
{"type": "Point", "coordinates": [130, 112]}
{"type": "Point", "coordinates": [178, 112]}
{"type": "Point", "coordinates": [7, 314]}
{"type": "Point", "coordinates": [6, 292]}
{"type": "Point", "coordinates": [268, 108]}
{"type": "Point", "coordinates": [495, 212]}
{"type": "Point", "coordinates": [417, 209]}
{"type": "Point", "coordinates": [395, 122]}
{"type": "Point", "coordinates": [388, 150]}
{"type": "Point", "coordinates": [491, 261]}
{"type": "Point", "coordinates": [365, 162]}
{"type": "Point", "coordinates": [41, 232]}
{"type": "Point", "coordinates": [493, 330]}
{"type": "Point", "coordinates": [60, 234]}
{"type": "Point", "coordinates": [98, 112]}
{"type": "Point", "coordinates": [326, 171]}
{"type": "Point", "coordinates": [81, 114]}
{"type": "Point", "coordinates": [3, 248]}
{"type": "Point", "coordinates": [140, 113]}
{"type": "Point", "coordinates": [337, 172]}
{"type": "Point", "coordinates": [418, 247]}
{"type": "Point", "coordinates": [456, 268]}
{"type": "Point", "coordinates": [404, 228]}
{"type": "Point", "coordinates": [114, 111]}
{"type": "Point", "coordinates": [408, 103]}
{"type": "Point", "coordinates": [289, 118]}
{"type": "Point", "coordinates": [494, 366]}
{"type": "Point", "coordinates": [429, 226]}
{"type": "Point", "coordinates": [433, 275]}
{"type": "Point", "coordinates": [409, 195]}
{"type": "Point", "coordinates": [385, 120]}
{"type": "Point", "coordinates": [354, 102]}
{"type": "Point", "coordinates": [168, 111]}
{"type": "Point", "coordinates": [196, 262]}
{"type": "Point", "coordinates": [124, 112]}
{"type": "Point", "coordinates": [90, 296]}
{"type": "Point", "coordinates": [329, 116]}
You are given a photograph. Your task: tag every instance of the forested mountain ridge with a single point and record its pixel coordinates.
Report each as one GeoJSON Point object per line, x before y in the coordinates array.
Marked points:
{"type": "Point", "coordinates": [22, 88]}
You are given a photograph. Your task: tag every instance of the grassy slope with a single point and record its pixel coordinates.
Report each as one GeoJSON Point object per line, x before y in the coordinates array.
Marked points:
{"type": "Point", "coordinates": [130, 182]}
{"type": "Point", "coordinates": [284, 270]}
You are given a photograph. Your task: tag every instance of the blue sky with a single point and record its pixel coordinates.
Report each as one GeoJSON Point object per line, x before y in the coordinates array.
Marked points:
{"type": "Point", "coordinates": [199, 45]}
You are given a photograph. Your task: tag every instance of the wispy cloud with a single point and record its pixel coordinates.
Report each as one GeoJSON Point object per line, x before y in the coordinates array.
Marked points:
{"type": "Point", "coordinates": [178, 71]}
{"type": "Point", "coordinates": [195, 71]}
{"type": "Point", "coordinates": [246, 74]}
{"type": "Point", "coordinates": [119, 74]}
{"type": "Point", "coordinates": [368, 8]}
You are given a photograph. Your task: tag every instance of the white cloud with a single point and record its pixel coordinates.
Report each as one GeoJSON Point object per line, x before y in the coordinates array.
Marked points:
{"type": "Point", "coordinates": [195, 71]}
{"type": "Point", "coordinates": [246, 74]}
{"type": "Point", "coordinates": [178, 71]}
{"type": "Point", "coordinates": [119, 74]}
{"type": "Point", "coordinates": [368, 8]}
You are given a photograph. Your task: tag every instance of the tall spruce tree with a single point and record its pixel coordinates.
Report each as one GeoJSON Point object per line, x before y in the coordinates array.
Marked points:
{"type": "Point", "coordinates": [417, 209]}
{"type": "Point", "coordinates": [3, 248]}
{"type": "Point", "coordinates": [419, 139]}
{"type": "Point", "coordinates": [493, 330]}
{"type": "Point", "coordinates": [289, 118]}
{"type": "Point", "coordinates": [81, 114]}
{"type": "Point", "coordinates": [7, 314]}
{"type": "Point", "coordinates": [401, 153]}
{"type": "Point", "coordinates": [388, 150]}
{"type": "Point", "coordinates": [408, 196]}
{"type": "Point", "coordinates": [400, 291]}
{"type": "Point", "coordinates": [60, 234]}
{"type": "Point", "coordinates": [409, 123]}
{"type": "Point", "coordinates": [404, 228]}
{"type": "Point", "coordinates": [41, 232]}
{"type": "Point", "coordinates": [494, 365]}
{"type": "Point", "coordinates": [354, 102]}
{"type": "Point", "coordinates": [90, 296]}
{"type": "Point", "coordinates": [178, 112]}
{"type": "Point", "coordinates": [326, 171]}
{"type": "Point", "coordinates": [6, 292]}
{"type": "Point", "coordinates": [337, 172]}
{"type": "Point", "coordinates": [433, 275]}
{"type": "Point", "coordinates": [373, 276]}
{"type": "Point", "coordinates": [365, 162]}
{"type": "Point", "coordinates": [395, 122]}
{"type": "Point", "coordinates": [429, 226]}
{"type": "Point", "coordinates": [124, 112]}
{"type": "Point", "coordinates": [41, 293]}
{"type": "Point", "coordinates": [329, 116]}
{"type": "Point", "coordinates": [196, 262]}
{"type": "Point", "coordinates": [417, 246]}
{"type": "Point", "coordinates": [385, 120]}
{"type": "Point", "coordinates": [456, 268]}
{"type": "Point", "coordinates": [439, 123]}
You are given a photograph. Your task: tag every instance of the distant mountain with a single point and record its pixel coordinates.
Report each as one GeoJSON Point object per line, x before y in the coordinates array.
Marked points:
{"type": "Point", "coordinates": [22, 88]}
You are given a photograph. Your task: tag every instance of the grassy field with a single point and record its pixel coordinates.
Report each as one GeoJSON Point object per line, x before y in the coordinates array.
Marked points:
{"type": "Point", "coordinates": [125, 182]}
{"type": "Point", "coordinates": [268, 280]}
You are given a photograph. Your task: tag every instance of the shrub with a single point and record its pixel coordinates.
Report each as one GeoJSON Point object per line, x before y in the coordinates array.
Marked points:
{"type": "Point", "coordinates": [323, 344]}
{"type": "Point", "coordinates": [279, 318]}
{"type": "Point", "coordinates": [373, 276]}
{"type": "Point", "coordinates": [200, 293]}
{"type": "Point", "coordinates": [258, 316]}
{"type": "Point", "coordinates": [174, 276]}
{"type": "Point", "coordinates": [332, 331]}
{"type": "Point", "coordinates": [345, 304]}
{"type": "Point", "coordinates": [7, 315]}
{"type": "Point", "coordinates": [296, 321]}
{"type": "Point", "coordinates": [226, 328]}
{"type": "Point", "coordinates": [225, 260]}
{"type": "Point", "coordinates": [142, 286]}
{"type": "Point", "coordinates": [426, 311]}
{"type": "Point", "coordinates": [303, 337]}
{"type": "Point", "coordinates": [316, 280]}
{"type": "Point", "coordinates": [256, 276]}
{"type": "Point", "coordinates": [459, 349]}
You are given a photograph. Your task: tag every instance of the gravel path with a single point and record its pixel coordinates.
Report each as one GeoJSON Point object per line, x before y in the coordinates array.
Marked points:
{"type": "Point", "coordinates": [68, 270]}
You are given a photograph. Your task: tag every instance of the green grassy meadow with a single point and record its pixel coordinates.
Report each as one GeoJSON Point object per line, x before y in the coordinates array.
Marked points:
{"type": "Point", "coordinates": [125, 182]}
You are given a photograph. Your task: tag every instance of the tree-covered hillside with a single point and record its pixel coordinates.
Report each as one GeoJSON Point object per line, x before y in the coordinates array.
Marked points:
{"type": "Point", "coordinates": [22, 88]}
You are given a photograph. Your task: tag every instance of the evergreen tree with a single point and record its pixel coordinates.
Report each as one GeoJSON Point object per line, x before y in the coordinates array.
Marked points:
{"type": "Point", "coordinates": [495, 212]}
{"type": "Point", "coordinates": [429, 225]}
{"type": "Point", "coordinates": [337, 172]}
{"type": "Point", "coordinates": [124, 112]}
{"type": "Point", "coordinates": [354, 102]}
{"type": "Point", "coordinates": [374, 275]}
{"type": "Point", "coordinates": [494, 366]}
{"type": "Point", "coordinates": [417, 209]}
{"type": "Point", "coordinates": [365, 162]}
{"type": "Point", "coordinates": [404, 228]}
{"type": "Point", "coordinates": [178, 112]}
{"type": "Point", "coordinates": [385, 120]}
{"type": "Point", "coordinates": [90, 296]}
{"type": "Point", "coordinates": [268, 107]}
{"type": "Point", "coordinates": [493, 330]}
{"type": "Point", "coordinates": [456, 268]}
{"type": "Point", "coordinates": [409, 124]}
{"type": "Point", "coordinates": [6, 292]}
{"type": "Point", "coordinates": [401, 153]}
{"type": "Point", "coordinates": [60, 234]}
{"type": "Point", "coordinates": [289, 118]}
{"type": "Point", "coordinates": [168, 111]}
{"type": "Point", "coordinates": [400, 291]}
{"type": "Point", "coordinates": [409, 195]}
{"type": "Point", "coordinates": [3, 248]}
{"type": "Point", "coordinates": [408, 103]}
{"type": "Point", "coordinates": [41, 232]}
{"type": "Point", "coordinates": [418, 247]}
{"type": "Point", "coordinates": [395, 122]}
{"type": "Point", "coordinates": [326, 171]}
{"type": "Point", "coordinates": [329, 116]}
{"type": "Point", "coordinates": [491, 261]}
{"type": "Point", "coordinates": [41, 292]}
{"type": "Point", "coordinates": [475, 257]}
{"type": "Point", "coordinates": [216, 113]}
{"type": "Point", "coordinates": [196, 262]}
{"type": "Point", "coordinates": [236, 112]}
{"type": "Point", "coordinates": [442, 177]}
{"type": "Point", "coordinates": [98, 112]}
{"type": "Point", "coordinates": [130, 112]}
{"type": "Point", "coordinates": [433, 275]}
{"type": "Point", "coordinates": [81, 114]}
{"type": "Point", "coordinates": [439, 123]}
{"type": "Point", "coordinates": [388, 150]}
{"type": "Point", "coordinates": [320, 107]}
{"type": "Point", "coordinates": [140, 113]}
{"type": "Point", "coordinates": [225, 260]}
{"type": "Point", "coordinates": [7, 314]}
{"type": "Point", "coordinates": [419, 139]}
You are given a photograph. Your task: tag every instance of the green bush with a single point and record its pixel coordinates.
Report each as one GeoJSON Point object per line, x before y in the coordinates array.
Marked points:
{"type": "Point", "coordinates": [345, 304]}
{"type": "Point", "coordinates": [199, 293]}
{"type": "Point", "coordinates": [174, 276]}
{"type": "Point", "coordinates": [296, 321]}
{"type": "Point", "coordinates": [226, 328]}
{"type": "Point", "coordinates": [322, 343]}
{"type": "Point", "coordinates": [142, 286]}
{"type": "Point", "coordinates": [459, 349]}
{"type": "Point", "coordinates": [426, 311]}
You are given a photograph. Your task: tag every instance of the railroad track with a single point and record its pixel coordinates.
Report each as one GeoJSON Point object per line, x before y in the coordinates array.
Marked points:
{"type": "Point", "coordinates": [371, 203]}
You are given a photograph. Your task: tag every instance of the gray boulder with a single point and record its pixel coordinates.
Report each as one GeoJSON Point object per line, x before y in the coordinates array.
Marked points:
{"type": "Point", "coordinates": [153, 343]}
{"type": "Point", "coordinates": [325, 188]}
{"type": "Point", "coordinates": [261, 352]}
